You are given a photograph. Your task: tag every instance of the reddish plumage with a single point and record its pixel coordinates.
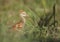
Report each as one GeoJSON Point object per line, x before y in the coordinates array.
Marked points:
{"type": "Point", "coordinates": [18, 26]}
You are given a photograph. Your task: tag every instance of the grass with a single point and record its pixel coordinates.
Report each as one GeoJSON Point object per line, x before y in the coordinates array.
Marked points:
{"type": "Point", "coordinates": [9, 15]}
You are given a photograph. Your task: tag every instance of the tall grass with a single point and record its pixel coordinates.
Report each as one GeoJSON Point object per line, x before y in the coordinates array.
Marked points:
{"type": "Point", "coordinates": [9, 15]}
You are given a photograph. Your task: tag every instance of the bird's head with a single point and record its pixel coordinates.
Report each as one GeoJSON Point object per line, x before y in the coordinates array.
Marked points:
{"type": "Point", "coordinates": [23, 13]}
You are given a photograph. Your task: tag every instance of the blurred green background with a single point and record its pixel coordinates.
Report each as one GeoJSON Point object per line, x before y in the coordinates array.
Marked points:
{"type": "Point", "coordinates": [9, 15]}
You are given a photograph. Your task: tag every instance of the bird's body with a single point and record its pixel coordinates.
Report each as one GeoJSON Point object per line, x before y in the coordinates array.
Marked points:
{"type": "Point", "coordinates": [18, 25]}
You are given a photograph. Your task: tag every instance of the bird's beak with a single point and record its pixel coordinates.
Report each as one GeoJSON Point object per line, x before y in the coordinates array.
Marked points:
{"type": "Point", "coordinates": [27, 16]}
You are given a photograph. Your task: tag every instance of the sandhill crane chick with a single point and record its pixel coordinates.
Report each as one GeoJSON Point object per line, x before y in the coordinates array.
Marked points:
{"type": "Point", "coordinates": [21, 24]}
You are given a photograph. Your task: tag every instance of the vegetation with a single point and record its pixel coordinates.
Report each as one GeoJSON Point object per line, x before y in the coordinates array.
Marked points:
{"type": "Point", "coordinates": [9, 15]}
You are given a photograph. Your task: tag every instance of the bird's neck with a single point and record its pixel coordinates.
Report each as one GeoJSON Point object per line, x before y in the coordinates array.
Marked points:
{"type": "Point", "coordinates": [23, 19]}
